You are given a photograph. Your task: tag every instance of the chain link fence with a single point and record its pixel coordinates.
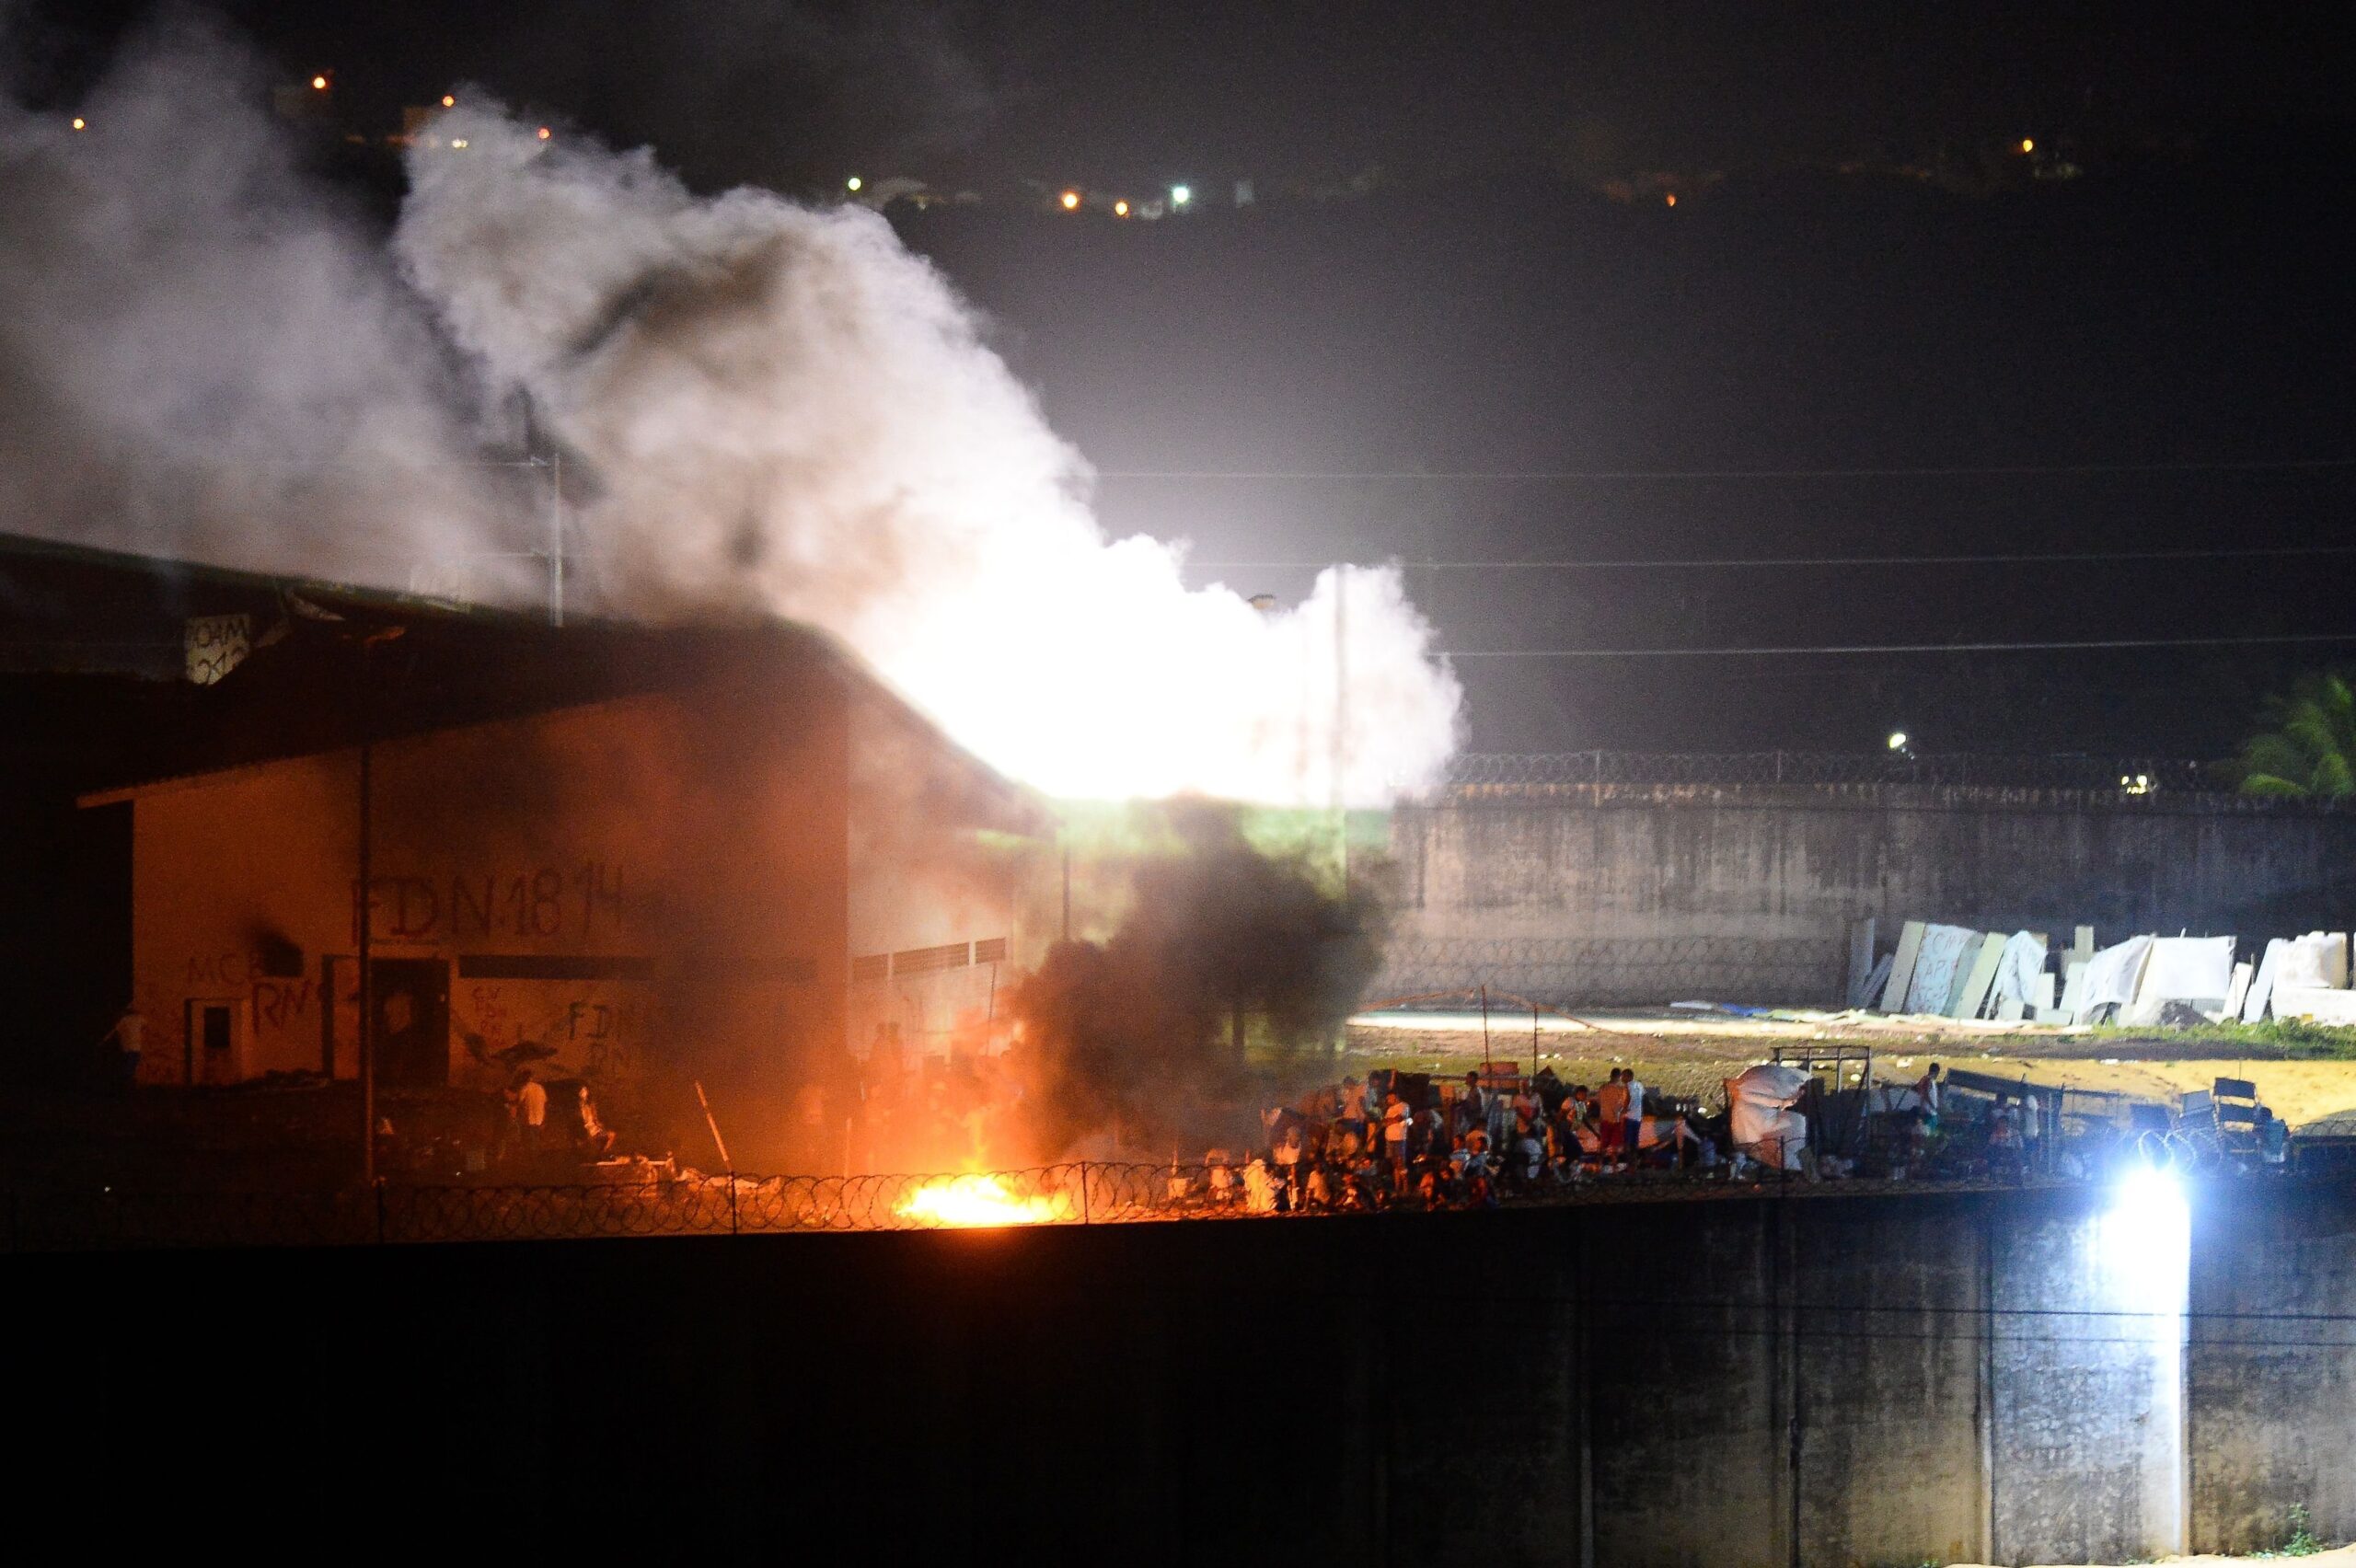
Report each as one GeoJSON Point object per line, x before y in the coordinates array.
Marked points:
{"type": "Point", "coordinates": [1479, 772]}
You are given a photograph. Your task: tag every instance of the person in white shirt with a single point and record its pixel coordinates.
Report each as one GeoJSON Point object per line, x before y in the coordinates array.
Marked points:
{"type": "Point", "coordinates": [1635, 1115]}
{"type": "Point", "coordinates": [531, 1109]}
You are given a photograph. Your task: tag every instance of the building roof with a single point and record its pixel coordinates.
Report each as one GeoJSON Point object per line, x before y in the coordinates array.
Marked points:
{"type": "Point", "coordinates": [91, 644]}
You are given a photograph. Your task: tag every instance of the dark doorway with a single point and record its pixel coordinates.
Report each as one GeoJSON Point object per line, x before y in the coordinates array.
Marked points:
{"type": "Point", "coordinates": [411, 997]}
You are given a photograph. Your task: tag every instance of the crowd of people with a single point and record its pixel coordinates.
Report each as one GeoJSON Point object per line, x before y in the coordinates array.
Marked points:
{"type": "Point", "coordinates": [1396, 1137]}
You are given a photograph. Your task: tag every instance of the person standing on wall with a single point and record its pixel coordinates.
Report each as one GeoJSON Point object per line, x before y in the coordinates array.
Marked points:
{"type": "Point", "coordinates": [531, 1111]}
{"type": "Point", "coordinates": [1612, 1117]}
{"type": "Point", "coordinates": [1926, 1090]}
{"type": "Point", "coordinates": [128, 1035]}
{"type": "Point", "coordinates": [1471, 1109]}
{"type": "Point", "coordinates": [1394, 1139]}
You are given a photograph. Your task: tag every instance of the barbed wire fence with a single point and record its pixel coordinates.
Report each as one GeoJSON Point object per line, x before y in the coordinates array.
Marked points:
{"type": "Point", "coordinates": [698, 1204]}
{"type": "Point", "coordinates": [1078, 1192]}
{"type": "Point", "coordinates": [1482, 771]}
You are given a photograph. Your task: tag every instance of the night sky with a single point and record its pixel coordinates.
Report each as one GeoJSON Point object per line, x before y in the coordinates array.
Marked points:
{"type": "Point", "coordinates": [1460, 263]}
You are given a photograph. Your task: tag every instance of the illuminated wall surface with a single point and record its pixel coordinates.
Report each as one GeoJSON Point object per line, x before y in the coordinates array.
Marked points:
{"type": "Point", "coordinates": [1749, 1383]}
{"type": "Point", "coordinates": [1637, 893]}
{"type": "Point", "coordinates": [680, 879]}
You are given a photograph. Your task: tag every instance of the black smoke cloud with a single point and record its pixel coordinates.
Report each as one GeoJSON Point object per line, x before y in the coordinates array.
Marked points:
{"type": "Point", "coordinates": [1133, 1036]}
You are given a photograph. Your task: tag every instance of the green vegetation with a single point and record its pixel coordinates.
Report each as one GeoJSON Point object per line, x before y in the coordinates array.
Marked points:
{"type": "Point", "coordinates": [2282, 1039]}
{"type": "Point", "coordinates": [2302, 1541]}
{"type": "Point", "coordinates": [2308, 750]}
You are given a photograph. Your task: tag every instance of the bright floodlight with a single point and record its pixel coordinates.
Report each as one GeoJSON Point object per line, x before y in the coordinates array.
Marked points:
{"type": "Point", "coordinates": [546, 132]}
{"type": "Point", "coordinates": [2028, 143]}
{"type": "Point", "coordinates": [449, 102]}
{"type": "Point", "coordinates": [79, 123]}
{"type": "Point", "coordinates": [320, 84]}
{"type": "Point", "coordinates": [1180, 195]}
{"type": "Point", "coordinates": [2146, 1239]}
{"type": "Point", "coordinates": [853, 183]}
{"type": "Point", "coordinates": [1120, 209]}
{"type": "Point", "coordinates": [1070, 199]}
{"type": "Point", "coordinates": [1898, 740]}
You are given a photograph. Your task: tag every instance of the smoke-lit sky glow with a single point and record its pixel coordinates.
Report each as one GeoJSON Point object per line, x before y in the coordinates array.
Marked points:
{"type": "Point", "coordinates": [774, 407]}
{"type": "Point", "coordinates": [787, 411]}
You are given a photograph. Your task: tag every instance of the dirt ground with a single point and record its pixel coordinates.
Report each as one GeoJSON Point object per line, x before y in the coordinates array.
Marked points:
{"type": "Point", "coordinates": [2339, 1557]}
{"type": "Point", "coordinates": [1692, 1053]}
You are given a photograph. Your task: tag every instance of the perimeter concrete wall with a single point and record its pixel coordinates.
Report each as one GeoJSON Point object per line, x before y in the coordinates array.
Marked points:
{"type": "Point", "coordinates": [1751, 1381]}
{"type": "Point", "coordinates": [1636, 894]}
{"type": "Point", "coordinates": [2271, 1418]}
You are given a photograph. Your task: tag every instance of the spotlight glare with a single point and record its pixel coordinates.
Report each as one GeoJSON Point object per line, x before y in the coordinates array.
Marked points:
{"type": "Point", "coordinates": [853, 183]}
{"type": "Point", "coordinates": [1070, 200]}
{"type": "Point", "coordinates": [1898, 740]}
{"type": "Point", "coordinates": [318, 83]}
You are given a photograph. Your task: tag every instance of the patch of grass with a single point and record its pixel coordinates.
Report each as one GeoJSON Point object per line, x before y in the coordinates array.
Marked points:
{"type": "Point", "coordinates": [2288, 1039]}
{"type": "Point", "coordinates": [2302, 1541]}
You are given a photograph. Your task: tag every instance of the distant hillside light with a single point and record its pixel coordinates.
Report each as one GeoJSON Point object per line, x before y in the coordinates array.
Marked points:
{"type": "Point", "coordinates": [1180, 195]}
{"type": "Point", "coordinates": [853, 183]}
{"type": "Point", "coordinates": [1673, 198]}
{"type": "Point", "coordinates": [1898, 740]}
{"type": "Point", "coordinates": [546, 132]}
{"type": "Point", "coordinates": [2028, 143]}
{"type": "Point", "coordinates": [449, 102]}
{"type": "Point", "coordinates": [318, 83]}
{"type": "Point", "coordinates": [1120, 209]}
{"type": "Point", "coordinates": [80, 123]}
{"type": "Point", "coordinates": [1070, 199]}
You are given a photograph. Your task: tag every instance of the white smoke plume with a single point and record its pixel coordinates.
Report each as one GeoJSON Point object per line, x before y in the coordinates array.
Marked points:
{"type": "Point", "coordinates": [203, 356]}
{"type": "Point", "coordinates": [780, 411]}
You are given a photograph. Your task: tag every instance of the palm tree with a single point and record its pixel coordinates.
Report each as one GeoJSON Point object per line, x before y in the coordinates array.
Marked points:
{"type": "Point", "coordinates": [2308, 751]}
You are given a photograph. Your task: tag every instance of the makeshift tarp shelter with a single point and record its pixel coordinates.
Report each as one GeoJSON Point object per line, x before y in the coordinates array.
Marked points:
{"type": "Point", "coordinates": [2112, 978]}
{"type": "Point", "coordinates": [2197, 971]}
{"type": "Point", "coordinates": [1764, 1122]}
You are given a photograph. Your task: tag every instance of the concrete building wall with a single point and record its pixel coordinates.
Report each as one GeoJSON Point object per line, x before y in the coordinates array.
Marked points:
{"type": "Point", "coordinates": [2271, 1376]}
{"type": "Point", "coordinates": [609, 881]}
{"type": "Point", "coordinates": [2087, 1454]}
{"type": "Point", "coordinates": [943, 860]}
{"type": "Point", "coordinates": [1832, 1380]}
{"type": "Point", "coordinates": [1639, 895]}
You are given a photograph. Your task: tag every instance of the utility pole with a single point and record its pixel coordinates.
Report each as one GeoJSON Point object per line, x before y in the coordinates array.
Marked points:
{"type": "Point", "coordinates": [556, 537]}
{"type": "Point", "coordinates": [368, 1065]}
{"type": "Point", "coordinates": [1341, 721]}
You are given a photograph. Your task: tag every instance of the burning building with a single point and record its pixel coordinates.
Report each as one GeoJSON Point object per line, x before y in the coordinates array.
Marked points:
{"type": "Point", "coordinates": [635, 858]}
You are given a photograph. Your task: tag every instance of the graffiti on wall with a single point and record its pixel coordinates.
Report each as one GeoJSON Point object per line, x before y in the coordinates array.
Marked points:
{"type": "Point", "coordinates": [594, 1030]}
{"type": "Point", "coordinates": [584, 902]}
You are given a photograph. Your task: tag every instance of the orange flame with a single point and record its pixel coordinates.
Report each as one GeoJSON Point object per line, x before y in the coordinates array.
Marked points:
{"type": "Point", "coordinates": [981, 1200]}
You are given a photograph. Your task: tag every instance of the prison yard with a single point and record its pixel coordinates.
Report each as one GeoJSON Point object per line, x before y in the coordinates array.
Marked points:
{"type": "Point", "coordinates": [2307, 1075]}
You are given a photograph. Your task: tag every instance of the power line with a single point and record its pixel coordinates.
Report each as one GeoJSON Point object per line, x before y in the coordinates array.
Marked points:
{"type": "Point", "coordinates": [2030, 558]}
{"type": "Point", "coordinates": [1546, 476]}
{"type": "Point", "coordinates": [1898, 647]}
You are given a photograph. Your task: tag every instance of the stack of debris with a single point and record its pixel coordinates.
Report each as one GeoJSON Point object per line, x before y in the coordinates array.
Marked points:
{"type": "Point", "coordinates": [2142, 982]}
